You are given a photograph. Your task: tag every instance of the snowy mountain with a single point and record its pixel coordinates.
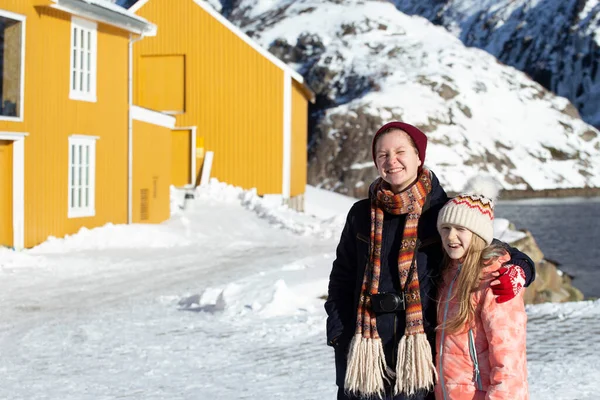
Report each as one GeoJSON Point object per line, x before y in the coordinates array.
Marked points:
{"type": "Point", "coordinates": [556, 42]}
{"type": "Point", "coordinates": [370, 63]}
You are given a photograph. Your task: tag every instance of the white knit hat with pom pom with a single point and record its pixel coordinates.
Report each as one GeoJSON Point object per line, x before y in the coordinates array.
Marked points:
{"type": "Point", "coordinates": [473, 209]}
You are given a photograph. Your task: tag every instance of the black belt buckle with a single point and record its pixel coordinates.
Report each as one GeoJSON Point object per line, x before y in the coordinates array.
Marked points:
{"type": "Point", "coordinates": [387, 302]}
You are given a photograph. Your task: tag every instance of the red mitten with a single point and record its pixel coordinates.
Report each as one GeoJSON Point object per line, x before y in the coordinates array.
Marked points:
{"type": "Point", "coordinates": [511, 282]}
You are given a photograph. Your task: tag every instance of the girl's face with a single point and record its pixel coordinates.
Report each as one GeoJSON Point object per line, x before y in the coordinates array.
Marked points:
{"type": "Point", "coordinates": [397, 160]}
{"type": "Point", "coordinates": [455, 240]}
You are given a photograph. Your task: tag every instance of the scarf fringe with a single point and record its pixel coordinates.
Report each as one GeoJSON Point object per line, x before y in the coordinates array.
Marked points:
{"type": "Point", "coordinates": [414, 370]}
{"type": "Point", "coordinates": [367, 369]}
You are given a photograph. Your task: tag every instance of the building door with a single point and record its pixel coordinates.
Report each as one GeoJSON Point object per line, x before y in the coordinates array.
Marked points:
{"type": "Point", "coordinates": [6, 193]}
{"type": "Point", "coordinates": [181, 157]}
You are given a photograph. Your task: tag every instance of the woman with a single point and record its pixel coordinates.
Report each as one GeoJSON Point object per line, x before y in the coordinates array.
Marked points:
{"type": "Point", "coordinates": [383, 328]}
{"type": "Point", "coordinates": [480, 343]}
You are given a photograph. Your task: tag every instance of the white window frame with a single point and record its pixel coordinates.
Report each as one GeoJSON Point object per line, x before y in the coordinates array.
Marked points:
{"type": "Point", "coordinates": [83, 67]}
{"type": "Point", "coordinates": [75, 184]}
{"type": "Point", "coordinates": [20, 18]}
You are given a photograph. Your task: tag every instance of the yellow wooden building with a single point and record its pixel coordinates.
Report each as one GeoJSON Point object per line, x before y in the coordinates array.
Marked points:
{"type": "Point", "coordinates": [69, 136]}
{"type": "Point", "coordinates": [229, 96]}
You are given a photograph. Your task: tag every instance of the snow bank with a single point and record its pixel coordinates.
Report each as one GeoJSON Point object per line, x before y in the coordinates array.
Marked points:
{"type": "Point", "coordinates": [112, 236]}
{"type": "Point", "coordinates": [281, 216]}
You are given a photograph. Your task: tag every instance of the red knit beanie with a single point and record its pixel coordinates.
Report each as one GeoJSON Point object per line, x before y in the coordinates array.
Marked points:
{"type": "Point", "coordinates": [416, 135]}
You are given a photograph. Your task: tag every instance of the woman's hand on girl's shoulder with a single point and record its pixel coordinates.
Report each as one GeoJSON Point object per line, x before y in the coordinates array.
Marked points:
{"type": "Point", "coordinates": [509, 282]}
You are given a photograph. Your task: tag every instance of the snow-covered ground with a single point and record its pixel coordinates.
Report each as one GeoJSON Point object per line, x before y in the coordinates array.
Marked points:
{"type": "Point", "coordinates": [223, 301]}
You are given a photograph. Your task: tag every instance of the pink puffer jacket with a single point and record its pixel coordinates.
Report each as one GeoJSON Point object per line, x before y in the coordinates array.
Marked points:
{"type": "Point", "coordinates": [498, 335]}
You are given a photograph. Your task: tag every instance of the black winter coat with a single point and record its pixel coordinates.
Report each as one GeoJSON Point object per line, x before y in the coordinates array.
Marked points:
{"type": "Point", "coordinates": [346, 278]}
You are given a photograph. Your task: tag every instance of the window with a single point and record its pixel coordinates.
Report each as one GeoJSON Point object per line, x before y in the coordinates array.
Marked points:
{"type": "Point", "coordinates": [12, 53]}
{"type": "Point", "coordinates": [83, 59]}
{"type": "Point", "coordinates": [82, 174]}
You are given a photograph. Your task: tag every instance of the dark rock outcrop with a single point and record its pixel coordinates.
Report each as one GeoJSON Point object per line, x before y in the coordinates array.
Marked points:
{"type": "Point", "coordinates": [551, 284]}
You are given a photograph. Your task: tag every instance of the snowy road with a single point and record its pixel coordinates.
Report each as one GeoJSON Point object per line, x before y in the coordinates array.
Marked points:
{"type": "Point", "coordinates": [124, 335]}
{"type": "Point", "coordinates": [218, 303]}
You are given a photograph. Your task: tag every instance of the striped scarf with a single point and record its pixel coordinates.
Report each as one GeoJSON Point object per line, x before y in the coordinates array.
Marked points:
{"type": "Point", "coordinates": [367, 369]}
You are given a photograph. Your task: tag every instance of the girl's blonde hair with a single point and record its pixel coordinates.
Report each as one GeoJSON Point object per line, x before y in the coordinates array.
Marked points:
{"type": "Point", "coordinates": [477, 256]}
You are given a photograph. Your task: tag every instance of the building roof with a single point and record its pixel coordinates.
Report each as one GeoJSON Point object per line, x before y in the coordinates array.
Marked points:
{"type": "Point", "coordinates": [106, 12]}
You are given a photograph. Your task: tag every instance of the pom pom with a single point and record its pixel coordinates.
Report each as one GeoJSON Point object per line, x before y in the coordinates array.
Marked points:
{"type": "Point", "coordinates": [483, 185]}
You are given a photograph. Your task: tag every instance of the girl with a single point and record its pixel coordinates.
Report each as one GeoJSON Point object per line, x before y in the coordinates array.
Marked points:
{"type": "Point", "coordinates": [480, 343]}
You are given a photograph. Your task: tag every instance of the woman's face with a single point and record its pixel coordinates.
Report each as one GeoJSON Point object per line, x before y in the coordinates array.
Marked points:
{"type": "Point", "coordinates": [455, 240]}
{"type": "Point", "coordinates": [397, 160]}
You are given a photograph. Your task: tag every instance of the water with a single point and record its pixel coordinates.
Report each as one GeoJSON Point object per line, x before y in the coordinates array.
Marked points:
{"type": "Point", "coordinates": [566, 230]}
